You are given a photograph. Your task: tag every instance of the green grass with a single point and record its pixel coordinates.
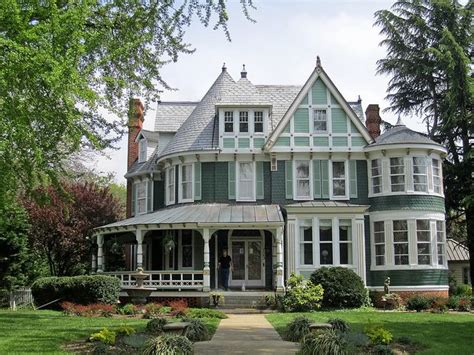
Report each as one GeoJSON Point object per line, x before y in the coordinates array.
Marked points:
{"type": "Point", "coordinates": [47, 331]}
{"type": "Point", "coordinates": [440, 333]}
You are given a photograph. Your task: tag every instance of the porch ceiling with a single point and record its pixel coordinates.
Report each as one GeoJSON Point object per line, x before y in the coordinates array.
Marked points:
{"type": "Point", "coordinates": [203, 215]}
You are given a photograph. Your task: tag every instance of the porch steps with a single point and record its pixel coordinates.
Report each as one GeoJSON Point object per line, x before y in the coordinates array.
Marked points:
{"type": "Point", "coordinates": [243, 301]}
{"type": "Point", "coordinates": [244, 310]}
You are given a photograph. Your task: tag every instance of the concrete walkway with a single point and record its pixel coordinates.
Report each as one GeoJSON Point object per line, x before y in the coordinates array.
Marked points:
{"type": "Point", "coordinates": [245, 334]}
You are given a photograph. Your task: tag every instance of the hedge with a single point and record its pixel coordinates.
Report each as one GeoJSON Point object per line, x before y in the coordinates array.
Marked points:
{"type": "Point", "coordinates": [76, 289]}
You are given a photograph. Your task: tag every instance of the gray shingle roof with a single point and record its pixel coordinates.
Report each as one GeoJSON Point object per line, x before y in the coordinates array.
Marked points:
{"type": "Point", "coordinates": [357, 108]}
{"type": "Point", "coordinates": [171, 115]}
{"type": "Point", "coordinates": [401, 135]}
{"type": "Point", "coordinates": [150, 135]}
{"type": "Point", "coordinates": [456, 251]}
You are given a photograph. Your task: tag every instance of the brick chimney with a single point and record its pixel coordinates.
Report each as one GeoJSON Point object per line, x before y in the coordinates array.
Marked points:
{"type": "Point", "coordinates": [135, 124]}
{"type": "Point", "coordinates": [373, 120]}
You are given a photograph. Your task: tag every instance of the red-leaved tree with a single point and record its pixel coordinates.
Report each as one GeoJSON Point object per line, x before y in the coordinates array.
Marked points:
{"type": "Point", "coordinates": [62, 223]}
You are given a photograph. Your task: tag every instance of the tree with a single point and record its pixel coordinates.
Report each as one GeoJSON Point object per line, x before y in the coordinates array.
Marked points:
{"type": "Point", "coordinates": [63, 63]}
{"type": "Point", "coordinates": [62, 225]}
{"type": "Point", "coordinates": [428, 58]}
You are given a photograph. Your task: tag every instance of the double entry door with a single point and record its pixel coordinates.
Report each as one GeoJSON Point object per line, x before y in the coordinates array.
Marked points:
{"type": "Point", "coordinates": [248, 261]}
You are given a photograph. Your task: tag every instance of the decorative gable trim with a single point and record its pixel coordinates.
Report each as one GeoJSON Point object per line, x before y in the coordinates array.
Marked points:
{"type": "Point", "coordinates": [318, 72]}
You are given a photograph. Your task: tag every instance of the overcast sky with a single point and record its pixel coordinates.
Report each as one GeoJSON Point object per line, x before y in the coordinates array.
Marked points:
{"type": "Point", "coordinates": [280, 48]}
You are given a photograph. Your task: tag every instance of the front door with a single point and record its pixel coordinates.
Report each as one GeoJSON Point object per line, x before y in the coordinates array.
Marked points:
{"type": "Point", "coordinates": [248, 262]}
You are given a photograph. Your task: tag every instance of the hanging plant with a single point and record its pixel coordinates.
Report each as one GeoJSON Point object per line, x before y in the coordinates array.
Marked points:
{"type": "Point", "coordinates": [168, 241]}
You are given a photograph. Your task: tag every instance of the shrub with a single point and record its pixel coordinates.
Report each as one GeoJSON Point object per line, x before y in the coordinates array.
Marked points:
{"type": "Point", "coordinates": [178, 307]}
{"type": "Point", "coordinates": [378, 334]}
{"type": "Point", "coordinates": [356, 340]}
{"type": "Point", "coordinates": [463, 290]}
{"type": "Point", "coordinates": [418, 303]}
{"type": "Point", "coordinates": [464, 304]}
{"type": "Point", "coordinates": [439, 305]}
{"type": "Point", "coordinates": [152, 310]}
{"type": "Point", "coordinates": [136, 340]}
{"type": "Point", "coordinates": [196, 331]}
{"type": "Point", "coordinates": [302, 295]}
{"type": "Point", "coordinates": [105, 336]}
{"type": "Point", "coordinates": [168, 344]}
{"type": "Point", "coordinates": [77, 289]}
{"type": "Point", "coordinates": [72, 309]}
{"type": "Point", "coordinates": [297, 329]}
{"type": "Point", "coordinates": [205, 313]}
{"type": "Point", "coordinates": [155, 326]}
{"type": "Point", "coordinates": [125, 330]}
{"type": "Point", "coordinates": [323, 343]}
{"type": "Point", "coordinates": [343, 288]}
{"type": "Point", "coordinates": [128, 309]}
{"type": "Point", "coordinates": [453, 302]}
{"type": "Point", "coordinates": [101, 348]}
{"type": "Point", "coordinates": [339, 324]}
{"type": "Point", "coordinates": [381, 349]}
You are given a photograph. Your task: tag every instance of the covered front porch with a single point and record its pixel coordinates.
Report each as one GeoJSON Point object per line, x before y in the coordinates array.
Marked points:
{"type": "Point", "coordinates": [179, 248]}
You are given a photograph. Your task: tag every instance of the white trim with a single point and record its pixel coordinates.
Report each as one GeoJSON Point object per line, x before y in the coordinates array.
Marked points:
{"type": "Point", "coordinates": [180, 183]}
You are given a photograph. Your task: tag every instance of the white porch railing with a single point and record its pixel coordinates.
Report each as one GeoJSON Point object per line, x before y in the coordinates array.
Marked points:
{"type": "Point", "coordinates": [163, 280]}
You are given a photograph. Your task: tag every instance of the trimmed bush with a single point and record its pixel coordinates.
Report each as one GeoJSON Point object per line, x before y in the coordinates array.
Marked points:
{"type": "Point", "coordinates": [205, 313]}
{"type": "Point", "coordinates": [297, 329]}
{"type": "Point", "coordinates": [77, 289]}
{"type": "Point", "coordinates": [168, 344]}
{"type": "Point", "coordinates": [378, 335]}
{"type": "Point", "coordinates": [196, 331]}
{"type": "Point", "coordinates": [302, 295]}
{"type": "Point", "coordinates": [343, 288]}
{"type": "Point", "coordinates": [105, 336]}
{"type": "Point", "coordinates": [339, 324]}
{"type": "Point", "coordinates": [155, 326]}
{"type": "Point", "coordinates": [418, 303]}
{"type": "Point", "coordinates": [125, 330]}
{"type": "Point", "coordinates": [324, 342]}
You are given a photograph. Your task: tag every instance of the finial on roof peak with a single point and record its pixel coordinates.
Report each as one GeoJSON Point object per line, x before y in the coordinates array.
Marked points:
{"type": "Point", "coordinates": [224, 68]}
{"type": "Point", "coordinates": [359, 100]}
{"type": "Point", "coordinates": [318, 61]}
{"type": "Point", "coordinates": [243, 73]}
{"type": "Point", "coordinates": [399, 121]}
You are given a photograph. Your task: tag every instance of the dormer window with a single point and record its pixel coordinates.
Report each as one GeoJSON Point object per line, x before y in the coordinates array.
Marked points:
{"type": "Point", "coordinates": [258, 122]}
{"type": "Point", "coordinates": [243, 121]}
{"type": "Point", "coordinates": [228, 121]}
{"type": "Point", "coordinates": [320, 121]}
{"type": "Point", "coordinates": [142, 147]}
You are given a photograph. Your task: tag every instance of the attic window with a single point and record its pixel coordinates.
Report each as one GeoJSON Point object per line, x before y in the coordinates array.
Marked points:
{"type": "Point", "coordinates": [320, 121]}
{"type": "Point", "coordinates": [258, 122]}
{"type": "Point", "coordinates": [244, 121]}
{"type": "Point", "coordinates": [228, 121]}
{"type": "Point", "coordinates": [142, 147]}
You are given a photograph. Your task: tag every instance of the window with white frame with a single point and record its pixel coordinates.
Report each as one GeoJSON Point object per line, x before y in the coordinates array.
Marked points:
{"type": "Point", "coordinates": [441, 242]}
{"type": "Point", "coordinates": [229, 121]}
{"type": "Point", "coordinates": [420, 178]}
{"type": "Point", "coordinates": [142, 147]}
{"type": "Point", "coordinates": [320, 123]}
{"type": "Point", "coordinates": [423, 241]}
{"type": "Point", "coordinates": [302, 179]}
{"type": "Point", "coordinates": [400, 242]}
{"type": "Point", "coordinates": [437, 186]}
{"type": "Point", "coordinates": [141, 196]}
{"type": "Point", "coordinates": [246, 181]}
{"type": "Point", "coordinates": [376, 170]}
{"type": "Point", "coordinates": [345, 242]}
{"type": "Point", "coordinates": [325, 242]}
{"type": "Point", "coordinates": [186, 182]}
{"type": "Point", "coordinates": [379, 242]}
{"type": "Point", "coordinates": [258, 122]}
{"type": "Point", "coordinates": [397, 174]}
{"type": "Point", "coordinates": [243, 121]}
{"type": "Point", "coordinates": [306, 242]}
{"type": "Point", "coordinates": [186, 248]}
{"type": "Point", "coordinates": [170, 191]}
{"type": "Point", "coordinates": [339, 179]}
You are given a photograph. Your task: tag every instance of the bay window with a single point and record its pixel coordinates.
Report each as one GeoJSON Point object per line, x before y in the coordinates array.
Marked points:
{"type": "Point", "coordinates": [243, 121]}
{"type": "Point", "coordinates": [229, 121]}
{"type": "Point", "coordinates": [170, 189]}
{"type": "Point", "coordinates": [441, 242]}
{"type": "Point", "coordinates": [320, 121]}
{"type": "Point", "coordinates": [325, 242]}
{"type": "Point", "coordinates": [306, 243]}
{"type": "Point", "coordinates": [186, 183]}
{"type": "Point", "coordinates": [400, 242]}
{"type": "Point", "coordinates": [345, 242]}
{"type": "Point", "coordinates": [246, 181]}
{"type": "Point", "coordinates": [437, 186]}
{"type": "Point", "coordinates": [379, 242]}
{"type": "Point", "coordinates": [339, 179]}
{"type": "Point", "coordinates": [420, 179]}
{"type": "Point", "coordinates": [376, 170]}
{"type": "Point", "coordinates": [302, 178]}
{"type": "Point", "coordinates": [397, 174]}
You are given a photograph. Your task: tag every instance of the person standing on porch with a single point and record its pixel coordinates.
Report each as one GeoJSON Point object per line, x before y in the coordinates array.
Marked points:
{"type": "Point", "coordinates": [225, 264]}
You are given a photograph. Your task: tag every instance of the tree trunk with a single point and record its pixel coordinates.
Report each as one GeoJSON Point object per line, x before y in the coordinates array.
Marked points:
{"type": "Point", "coordinates": [470, 242]}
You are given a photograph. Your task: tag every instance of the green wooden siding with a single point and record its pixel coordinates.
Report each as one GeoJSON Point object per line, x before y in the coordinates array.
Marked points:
{"type": "Point", "coordinates": [289, 179]}
{"type": "Point", "coordinates": [324, 179]}
{"type": "Point", "coordinates": [305, 100]}
{"type": "Point", "coordinates": [414, 202]}
{"type": "Point", "coordinates": [302, 141]}
{"type": "Point", "coordinates": [231, 184]}
{"type": "Point", "coordinates": [283, 142]}
{"type": "Point", "coordinates": [409, 277]}
{"type": "Point", "coordinates": [353, 178]}
{"type": "Point", "coordinates": [301, 120]}
{"type": "Point", "coordinates": [287, 128]}
{"type": "Point", "coordinates": [258, 142]}
{"type": "Point", "coordinates": [229, 143]}
{"type": "Point", "coordinates": [339, 120]}
{"type": "Point", "coordinates": [259, 181]}
{"type": "Point", "coordinates": [333, 100]}
{"type": "Point", "coordinates": [214, 181]}
{"type": "Point", "coordinates": [319, 93]}
{"type": "Point", "coordinates": [354, 128]}
{"type": "Point", "coordinates": [339, 141]}
{"type": "Point", "coordinates": [158, 195]}
{"type": "Point", "coordinates": [321, 141]}
{"type": "Point", "coordinates": [362, 184]}
{"type": "Point", "coordinates": [244, 142]}
{"type": "Point", "coordinates": [358, 142]}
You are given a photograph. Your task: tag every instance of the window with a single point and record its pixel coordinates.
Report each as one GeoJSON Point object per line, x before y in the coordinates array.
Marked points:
{"type": "Point", "coordinates": [141, 197]}
{"type": "Point", "coordinates": [186, 182]}
{"type": "Point", "coordinates": [379, 242]}
{"type": "Point", "coordinates": [187, 248]}
{"type": "Point", "coordinates": [306, 243]}
{"type": "Point", "coordinates": [419, 174]}
{"type": "Point", "coordinates": [243, 121]}
{"type": "Point", "coordinates": [170, 175]}
{"type": "Point", "coordinates": [228, 121]}
{"type": "Point", "coordinates": [436, 163]}
{"type": "Point", "coordinates": [303, 190]}
{"type": "Point", "coordinates": [325, 242]}
{"type": "Point", "coordinates": [376, 169]}
{"type": "Point", "coordinates": [338, 179]}
{"type": "Point", "coordinates": [142, 147]}
{"type": "Point", "coordinates": [440, 242]}
{"type": "Point", "coordinates": [320, 121]}
{"type": "Point", "coordinates": [345, 241]}
{"type": "Point", "coordinates": [423, 241]}
{"type": "Point", "coordinates": [258, 122]}
{"type": "Point", "coordinates": [397, 174]}
{"type": "Point", "coordinates": [246, 181]}
{"type": "Point", "coordinates": [400, 242]}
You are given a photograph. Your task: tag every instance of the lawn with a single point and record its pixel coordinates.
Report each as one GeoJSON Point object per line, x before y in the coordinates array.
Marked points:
{"type": "Point", "coordinates": [440, 333]}
{"type": "Point", "coordinates": [47, 331]}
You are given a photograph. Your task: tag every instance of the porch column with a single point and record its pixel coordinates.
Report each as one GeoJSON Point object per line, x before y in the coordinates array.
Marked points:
{"type": "Point", "coordinates": [207, 269]}
{"type": "Point", "coordinates": [359, 246]}
{"type": "Point", "coordinates": [94, 262]}
{"type": "Point", "coordinates": [100, 253]}
{"type": "Point", "coordinates": [139, 234]}
{"type": "Point", "coordinates": [280, 285]}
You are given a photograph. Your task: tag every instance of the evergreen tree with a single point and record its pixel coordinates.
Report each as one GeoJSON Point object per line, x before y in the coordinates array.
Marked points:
{"type": "Point", "coordinates": [429, 43]}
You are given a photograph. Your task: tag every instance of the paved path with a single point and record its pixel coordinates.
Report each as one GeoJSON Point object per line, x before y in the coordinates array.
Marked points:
{"type": "Point", "coordinates": [245, 334]}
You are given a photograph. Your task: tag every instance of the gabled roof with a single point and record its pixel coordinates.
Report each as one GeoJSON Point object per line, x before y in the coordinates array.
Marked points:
{"type": "Point", "coordinates": [400, 134]}
{"type": "Point", "coordinates": [149, 135]}
{"type": "Point", "coordinates": [456, 251]}
{"type": "Point", "coordinates": [318, 72]}
{"type": "Point", "coordinates": [171, 115]}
